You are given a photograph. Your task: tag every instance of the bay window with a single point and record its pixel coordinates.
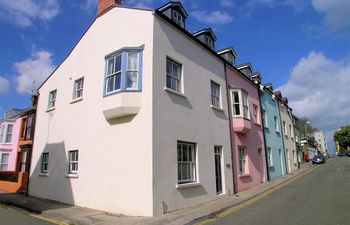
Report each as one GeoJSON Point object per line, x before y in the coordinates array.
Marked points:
{"type": "Point", "coordinates": [240, 103]}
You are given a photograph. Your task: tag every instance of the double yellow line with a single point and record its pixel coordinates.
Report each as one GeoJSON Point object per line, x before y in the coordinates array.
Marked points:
{"type": "Point", "coordinates": [252, 200]}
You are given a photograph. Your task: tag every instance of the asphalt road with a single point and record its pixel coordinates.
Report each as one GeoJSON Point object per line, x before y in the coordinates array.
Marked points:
{"type": "Point", "coordinates": [11, 216]}
{"type": "Point", "coordinates": [321, 197]}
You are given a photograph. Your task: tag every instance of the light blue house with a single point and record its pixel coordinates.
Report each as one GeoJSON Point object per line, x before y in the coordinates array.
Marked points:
{"type": "Point", "coordinates": [275, 155]}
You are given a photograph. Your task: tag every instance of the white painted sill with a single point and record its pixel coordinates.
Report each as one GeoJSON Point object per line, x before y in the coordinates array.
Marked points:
{"type": "Point", "coordinates": [188, 185]}
{"type": "Point", "coordinates": [244, 175]}
{"type": "Point", "coordinates": [216, 108]}
{"type": "Point", "coordinates": [76, 100]}
{"type": "Point", "coordinates": [175, 92]}
{"type": "Point", "coordinates": [50, 109]}
{"type": "Point", "coordinates": [72, 176]}
{"type": "Point", "coordinates": [43, 174]}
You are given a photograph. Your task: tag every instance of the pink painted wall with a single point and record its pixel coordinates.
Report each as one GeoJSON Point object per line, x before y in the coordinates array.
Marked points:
{"type": "Point", "coordinates": [253, 139]}
{"type": "Point", "coordinates": [12, 148]}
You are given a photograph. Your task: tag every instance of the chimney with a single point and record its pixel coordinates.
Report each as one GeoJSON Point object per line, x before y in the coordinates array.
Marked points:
{"type": "Point", "coordinates": [105, 5]}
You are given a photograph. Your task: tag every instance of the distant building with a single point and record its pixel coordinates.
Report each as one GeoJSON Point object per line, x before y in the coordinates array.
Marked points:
{"type": "Point", "coordinates": [322, 142]}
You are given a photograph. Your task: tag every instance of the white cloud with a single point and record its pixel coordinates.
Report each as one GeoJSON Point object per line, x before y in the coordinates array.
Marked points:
{"type": "Point", "coordinates": [33, 71]}
{"type": "Point", "coordinates": [319, 88]}
{"type": "Point", "coordinates": [336, 12]}
{"type": "Point", "coordinates": [297, 5]}
{"type": "Point", "coordinates": [226, 3]}
{"type": "Point", "coordinates": [4, 85]}
{"type": "Point", "coordinates": [213, 17]}
{"type": "Point", "coordinates": [24, 12]}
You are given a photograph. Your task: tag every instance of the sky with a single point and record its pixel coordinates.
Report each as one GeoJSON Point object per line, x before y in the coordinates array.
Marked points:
{"type": "Point", "coordinates": [301, 46]}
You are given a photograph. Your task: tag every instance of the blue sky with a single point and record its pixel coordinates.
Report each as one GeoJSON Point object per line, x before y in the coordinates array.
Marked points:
{"type": "Point", "coordinates": [301, 46]}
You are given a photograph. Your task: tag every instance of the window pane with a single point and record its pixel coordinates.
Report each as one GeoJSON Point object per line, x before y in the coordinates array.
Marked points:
{"type": "Point", "coordinates": [117, 81]}
{"type": "Point", "coordinates": [110, 69]}
{"type": "Point", "coordinates": [132, 61]}
{"type": "Point", "coordinates": [169, 67]}
{"type": "Point", "coordinates": [110, 83]}
{"type": "Point", "coordinates": [118, 63]}
{"type": "Point", "coordinates": [179, 176]}
{"type": "Point", "coordinates": [5, 158]}
{"type": "Point", "coordinates": [237, 109]}
{"type": "Point", "coordinates": [235, 97]}
{"type": "Point", "coordinates": [176, 71]}
{"type": "Point", "coordinates": [131, 79]}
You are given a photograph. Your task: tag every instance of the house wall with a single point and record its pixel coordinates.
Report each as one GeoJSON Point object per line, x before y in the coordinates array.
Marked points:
{"type": "Point", "coordinates": [11, 148]}
{"type": "Point", "coordinates": [289, 141]}
{"type": "Point", "coordinates": [273, 137]}
{"type": "Point", "coordinates": [188, 117]}
{"type": "Point", "coordinates": [115, 156]}
{"type": "Point", "coordinates": [252, 140]}
{"type": "Point", "coordinates": [320, 138]}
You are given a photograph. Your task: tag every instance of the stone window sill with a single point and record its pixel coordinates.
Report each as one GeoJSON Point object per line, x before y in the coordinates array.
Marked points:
{"type": "Point", "coordinates": [188, 185]}
{"type": "Point", "coordinates": [175, 92]}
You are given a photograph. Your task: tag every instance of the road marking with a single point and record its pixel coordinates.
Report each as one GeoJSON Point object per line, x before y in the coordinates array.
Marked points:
{"type": "Point", "coordinates": [25, 212]}
{"type": "Point", "coordinates": [254, 199]}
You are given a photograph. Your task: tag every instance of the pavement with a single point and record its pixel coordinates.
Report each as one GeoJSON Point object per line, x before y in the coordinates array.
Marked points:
{"type": "Point", "coordinates": [63, 214]}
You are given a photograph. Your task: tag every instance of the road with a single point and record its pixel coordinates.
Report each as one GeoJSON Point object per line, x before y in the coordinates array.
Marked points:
{"type": "Point", "coordinates": [11, 216]}
{"type": "Point", "coordinates": [321, 197]}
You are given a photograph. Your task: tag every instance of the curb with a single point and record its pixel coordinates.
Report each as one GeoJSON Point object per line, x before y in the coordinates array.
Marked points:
{"type": "Point", "coordinates": [9, 203]}
{"type": "Point", "coordinates": [216, 215]}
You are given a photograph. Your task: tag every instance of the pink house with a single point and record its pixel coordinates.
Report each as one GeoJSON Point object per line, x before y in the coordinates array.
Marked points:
{"type": "Point", "coordinates": [247, 140]}
{"type": "Point", "coordinates": [9, 134]}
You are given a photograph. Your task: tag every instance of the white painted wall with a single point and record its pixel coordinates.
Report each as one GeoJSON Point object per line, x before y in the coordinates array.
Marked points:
{"type": "Point", "coordinates": [115, 157]}
{"type": "Point", "coordinates": [189, 118]}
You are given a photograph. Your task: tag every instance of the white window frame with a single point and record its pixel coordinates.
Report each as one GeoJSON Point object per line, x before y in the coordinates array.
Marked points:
{"type": "Point", "coordinates": [4, 133]}
{"type": "Point", "coordinates": [269, 157]}
{"type": "Point", "coordinates": [45, 162]}
{"type": "Point", "coordinates": [209, 41]}
{"type": "Point", "coordinates": [113, 74]}
{"type": "Point", "coordinates": [73, 157]}
{"type": "Point", "coordinates": [275, 118]}
{"type": "Point", "coordinates": [256, 113]}
{"type": "Point", "coordinates": [264, 118]}
{"type": "Point", "coordinates": [52, 99]}
{"type": "Point", "coordinates": [215, 94]}
{"type": "Point", "coordinates": [242, 160]}
{"type": "Point", "coordinates": [190, 162]}
{"type": "Point", "coordinates": [284, 124]}
{"type": "Point", "coordinates": [23, 163]}
{"type": "Point", "coordinates": [243, 108]}
{"type": "Point", "coordinates": [4, 163]}
{"type": "Point", "coordinates": [132, 70]}
{"type": "Point", "coordinates": [78, 88]}
{"type": "Point", "coordinates": [177, 18]}
{"type": "Point", "coordinates": [177, 79]}
{"type": "Point", "coordinates": [8, 134]}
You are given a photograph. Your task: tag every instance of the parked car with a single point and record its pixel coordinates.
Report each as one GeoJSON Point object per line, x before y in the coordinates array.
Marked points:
{"type": "Point", "coordinates": [318, 159]}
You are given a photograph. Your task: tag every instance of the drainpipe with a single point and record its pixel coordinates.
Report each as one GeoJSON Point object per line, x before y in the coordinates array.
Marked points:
{"type": "Point", "coordinates": [230, 125]}
{"type": "Point", "coordinates": [35, 100]}
{"type": "Point", "coordinates": [263, 130]}
{"type": "Point", "coordinates": [284, 148]}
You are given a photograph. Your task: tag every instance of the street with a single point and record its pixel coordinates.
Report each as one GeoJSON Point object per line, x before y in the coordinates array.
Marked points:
{"type": "Point", "coordinates": [321, 197]}
{"type": "Point", "coordinates": [9, 216]}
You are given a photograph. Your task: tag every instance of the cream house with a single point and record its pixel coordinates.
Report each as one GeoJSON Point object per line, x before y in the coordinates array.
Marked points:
{"type": "Point", "coordinates": [135, 118]}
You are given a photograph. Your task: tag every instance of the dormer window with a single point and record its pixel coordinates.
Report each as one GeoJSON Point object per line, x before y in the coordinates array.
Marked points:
{"type": "Point", "coordinates": [209, 42]}
{"type": "Point", "coordinates": [178, 18]}
{"type": "Point", "coordinates": [206, 36]}
{"type": "Point", "coordinates": [246, 69]}
{"type": "Point", "coordinates": [174, 11]}
{"type": "Point", "coordinates": [229, 54]}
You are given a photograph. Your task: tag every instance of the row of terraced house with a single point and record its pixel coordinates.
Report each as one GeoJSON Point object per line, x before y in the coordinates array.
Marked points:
{"type": "Point", "coordinates": [143, 118]}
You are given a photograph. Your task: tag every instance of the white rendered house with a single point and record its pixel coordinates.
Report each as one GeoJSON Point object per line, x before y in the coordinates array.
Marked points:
{"type": "Point", "coordinates": [135, 119]}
